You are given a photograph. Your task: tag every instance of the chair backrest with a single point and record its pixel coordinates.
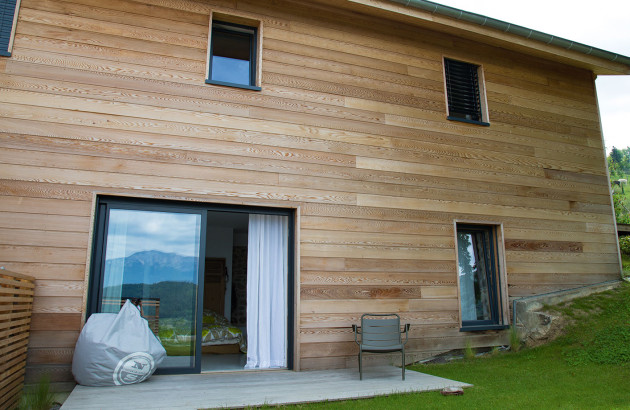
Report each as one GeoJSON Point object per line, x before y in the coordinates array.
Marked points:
{"type": "Point", "coordinates": [380, 329]}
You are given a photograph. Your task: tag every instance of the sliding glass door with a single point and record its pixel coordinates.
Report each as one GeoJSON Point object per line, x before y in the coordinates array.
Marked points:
{"type": "Point", "coordinates": [151, 256]}
{"type": "Point", "coordinates": [154, 253]}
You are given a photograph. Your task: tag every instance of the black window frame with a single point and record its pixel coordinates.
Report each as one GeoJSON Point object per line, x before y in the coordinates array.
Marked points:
{"type": "Point", "coordinates": [252, 33]}
{"type": "Point", "coordinates": [464, 92]}
{"type": "Point", "coordinates": [492, 262]}
{"type": "Point", "coordinates": [8, 21]}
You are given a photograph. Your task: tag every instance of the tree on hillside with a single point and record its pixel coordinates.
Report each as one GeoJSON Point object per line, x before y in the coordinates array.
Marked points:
{"type": "Point", "coordinates": [619, 168]}
{"type": "Point", "coordinates": [619, 163]}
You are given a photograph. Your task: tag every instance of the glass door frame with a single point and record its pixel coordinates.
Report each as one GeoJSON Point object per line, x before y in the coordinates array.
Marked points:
{"type": "Point", "coordinates": [97, 268]}
{"type": "Point", "coordinates": [97, 265]}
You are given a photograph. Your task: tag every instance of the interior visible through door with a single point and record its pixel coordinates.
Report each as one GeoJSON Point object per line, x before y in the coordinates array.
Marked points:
{"type": "Point", "coordinates": [224, 323]}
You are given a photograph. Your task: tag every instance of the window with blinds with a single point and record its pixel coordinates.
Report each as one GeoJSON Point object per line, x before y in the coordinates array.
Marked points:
{"type": "Point", "coordinates": [464, 92]}
{"type": "Point", "coordinates": [8, 14]}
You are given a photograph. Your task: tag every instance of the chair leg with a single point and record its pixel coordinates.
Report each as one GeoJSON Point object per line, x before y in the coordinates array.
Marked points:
{"type": "Point", "coordinates": [403, 363]}
{"type": "Point", "coordinates": [360, 364]}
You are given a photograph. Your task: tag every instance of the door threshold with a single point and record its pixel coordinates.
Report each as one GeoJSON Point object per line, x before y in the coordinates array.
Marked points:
{"type": "Point", "coordinates": [244, 371]}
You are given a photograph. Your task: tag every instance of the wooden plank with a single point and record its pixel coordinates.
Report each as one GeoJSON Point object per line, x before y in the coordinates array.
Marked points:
{"type": "Point", "coordinates": [546, 246]}
{"type": "Point", "coordinates": [56, 373]}
{"type": "Point", "coordinates": [358, 292]}
{"type": "Point", "coordinates": [66, 223]}
{"type": "Point", "coordinates": [58, 305]}
{"type": "Point", "coordinates": [570, 280]}
{"type": "Point", "coordinates": [562, 267]}
{"type": "Point", "coordinates": [114, 45]}
{"type": "Point", "coordinates": [46, 159]}
{"type": "Point", "coordinates": [64, 139]}
{"type": "Point", "coordinates": [542, 257]}
{"type": "Point", "coordinates": [386, 278]}
{"type": "Point", "coordinates": [56, 321]}
{"type": "Point", "coordinates": [119, 29]}
{"type": "Point", "coordinates": [47, 271]}
{"type": "Point", "coordinates": [31, 237]}
{"type": "Point", "coordinates": [443, 216]}
{"type": "Point", "coordinates": [12, 283]}
{"type": "Point", "coordinates": [367, 225]}
{"type": "Point", "coordinates": [52, 338]}
{"type": "Point", "coordinates": [376, 252]}
{"type": "Point", "coordinates": [50, 356]}
{"type": "Point", "coordinates": [480, 175]}
{"type": "Point", "coordinates": [127, 13]}
{"type": "Point", "coordinates": [47, 255]}
{"type": "Point", "coordinates": [540, 235]}
{"type": "Point", "coordinates": [375, 239]}
{"type": "Point", "coordinates": [60, 288]}
{"type": "Point", "coordinates": [167, 184]}
{"type": "Point", "coordinates": [44, 206]}
{"type": "Point", "coordinates": [422, 192]}
{"type": "Point", "coordinates": [319, 320]}
{"type": "Point", "coordinates": [357, 306]}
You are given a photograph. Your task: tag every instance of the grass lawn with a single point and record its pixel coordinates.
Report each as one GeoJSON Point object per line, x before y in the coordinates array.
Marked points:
{"type": "Point", "coordinates": [625, 262]}
{"type": "Point", "coordinates": [588, 367]}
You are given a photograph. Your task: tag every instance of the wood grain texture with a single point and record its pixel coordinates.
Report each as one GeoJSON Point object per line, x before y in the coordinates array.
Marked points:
{"type": "Point", "coordinates": [350, 127]}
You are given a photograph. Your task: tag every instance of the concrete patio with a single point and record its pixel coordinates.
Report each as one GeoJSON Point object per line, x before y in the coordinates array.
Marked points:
{"type": "Point", "coordinates": [245, 388]}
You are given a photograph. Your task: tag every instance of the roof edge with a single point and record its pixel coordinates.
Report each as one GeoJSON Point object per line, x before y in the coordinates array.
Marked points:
{"type": "Point", "coordinates": [530, 34]}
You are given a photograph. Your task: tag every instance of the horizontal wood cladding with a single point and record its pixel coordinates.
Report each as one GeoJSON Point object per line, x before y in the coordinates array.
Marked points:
{"type": "Point", "coordinates": [350, 126]}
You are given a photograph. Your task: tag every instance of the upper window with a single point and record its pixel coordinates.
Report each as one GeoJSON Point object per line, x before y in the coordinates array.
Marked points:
{"type": "Point", "coordinates": [464, 92]}
{"type": "Point", "coordinates": [8, 20]}
{"type": "Point", "coordinates": [233, 55]}
{"type": "Point", "coordinates": [479, 277]}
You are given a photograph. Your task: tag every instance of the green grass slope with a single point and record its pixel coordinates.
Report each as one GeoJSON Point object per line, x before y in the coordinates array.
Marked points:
{"type": "Point", "coordinates": [586, 368]}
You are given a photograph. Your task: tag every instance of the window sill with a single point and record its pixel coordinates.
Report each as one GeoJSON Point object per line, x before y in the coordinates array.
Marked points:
{"type": "Point", "coordinates": [483, 327]}
{"type": "Point", "coordinates": [234, 85]}
{"type": "Point", "coordinates": [485, 124]}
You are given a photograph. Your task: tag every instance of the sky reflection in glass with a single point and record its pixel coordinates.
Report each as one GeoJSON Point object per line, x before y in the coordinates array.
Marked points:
{"type": "Point", "coordinates": [230, 70]}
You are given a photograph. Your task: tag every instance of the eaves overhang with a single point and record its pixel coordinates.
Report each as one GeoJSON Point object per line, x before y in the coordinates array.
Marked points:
{"type": "Point", "coordinates": [496, 32]}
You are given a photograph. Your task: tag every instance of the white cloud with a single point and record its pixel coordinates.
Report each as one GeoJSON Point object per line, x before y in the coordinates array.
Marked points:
{"type": "Point", "coordinates": [133, 231]}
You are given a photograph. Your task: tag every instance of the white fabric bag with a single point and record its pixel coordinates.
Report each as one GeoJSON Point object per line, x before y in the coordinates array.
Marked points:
{"type": "Point", "coordinates": [116, 349]}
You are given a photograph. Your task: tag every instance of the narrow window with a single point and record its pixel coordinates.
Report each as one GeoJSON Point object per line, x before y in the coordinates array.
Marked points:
{"type": "Point", "coordinates": [8, 21]}
{"type": "Point", "coordinates": [233, 55]}
{"type": "Point", "coordinates": [480, 287]}
{"type": "Point", "coordinates": [464, 92]}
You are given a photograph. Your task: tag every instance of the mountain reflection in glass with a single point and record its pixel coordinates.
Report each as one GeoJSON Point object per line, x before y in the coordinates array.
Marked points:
{"type": "Point", "coordinates": [473, 278]}
{"type": "Point", "coordinates": [154, 255]}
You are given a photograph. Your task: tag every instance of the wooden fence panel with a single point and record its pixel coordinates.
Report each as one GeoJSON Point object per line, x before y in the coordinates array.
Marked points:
{"type": "Point", "coordinates": [16, 306]}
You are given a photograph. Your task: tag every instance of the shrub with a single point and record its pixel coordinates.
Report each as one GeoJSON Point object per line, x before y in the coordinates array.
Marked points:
{"type": "Point", "coordinates": [38, 397]}
{"type": "Point", "coordinates": [515, 339]}
{"type": "Point", "coordinates": [624, 245]}
{"type": "Point", "coordinates": [469, 351]}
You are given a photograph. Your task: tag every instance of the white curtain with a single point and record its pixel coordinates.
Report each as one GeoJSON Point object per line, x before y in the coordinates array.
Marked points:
{"type": "Point", "coordinates": [267, 275]}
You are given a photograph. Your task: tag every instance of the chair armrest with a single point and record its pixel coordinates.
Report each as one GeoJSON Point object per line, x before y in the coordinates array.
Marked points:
{"type": "Point", "coordinates": [406, 332]}
{"type": "Point", "coordinates": [356, 331]}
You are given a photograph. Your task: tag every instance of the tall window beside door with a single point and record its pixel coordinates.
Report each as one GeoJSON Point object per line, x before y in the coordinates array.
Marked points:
{"type": "Point", "coordinates": [481, 277]}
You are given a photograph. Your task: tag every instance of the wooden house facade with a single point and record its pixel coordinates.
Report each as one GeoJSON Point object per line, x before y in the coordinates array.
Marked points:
{"type": "Point", "coordinates": [346, 124]}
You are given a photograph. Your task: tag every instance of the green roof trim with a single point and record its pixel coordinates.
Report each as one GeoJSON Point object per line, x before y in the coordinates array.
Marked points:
{"type": "Point", "coordinates": [521, 31]}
